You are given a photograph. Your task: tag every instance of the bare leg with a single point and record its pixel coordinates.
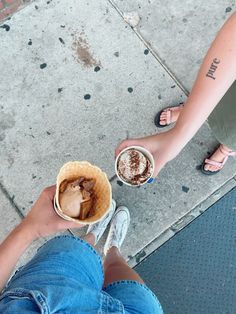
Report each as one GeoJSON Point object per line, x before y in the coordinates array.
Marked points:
{"type": "Point", "coordinates": [116, 268]}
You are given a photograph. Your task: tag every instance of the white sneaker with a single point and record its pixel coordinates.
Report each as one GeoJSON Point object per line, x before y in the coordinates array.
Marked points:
{"type": "Point", "coordinates": [98, 228]}
{"type": "Point", "coordinates": [118, 230]}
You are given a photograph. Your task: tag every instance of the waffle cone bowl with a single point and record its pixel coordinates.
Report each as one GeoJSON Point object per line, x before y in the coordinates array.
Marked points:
{"type": "Point", "coordinates": [101, 189]}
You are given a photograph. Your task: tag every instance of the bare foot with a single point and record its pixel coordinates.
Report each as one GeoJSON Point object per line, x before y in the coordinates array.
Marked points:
{"type": "Point", "coordinates": [170, 115]}
{"type": "Point", "coordinates": [218, 156]}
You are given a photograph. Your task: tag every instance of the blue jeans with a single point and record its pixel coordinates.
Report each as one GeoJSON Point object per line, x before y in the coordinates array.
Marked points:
{"type": "Point", "coordinates": [66, 276]}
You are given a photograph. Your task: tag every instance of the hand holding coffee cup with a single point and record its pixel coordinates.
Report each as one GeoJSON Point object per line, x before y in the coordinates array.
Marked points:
{"type": "Point", "coordinates": [134, 165]}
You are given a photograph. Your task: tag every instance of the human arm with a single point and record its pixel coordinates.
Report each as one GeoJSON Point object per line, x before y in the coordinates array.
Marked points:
{"type": "Point", "coordinates": [41, 221]}
{"type": "Point", "coordinates": [216, 75]}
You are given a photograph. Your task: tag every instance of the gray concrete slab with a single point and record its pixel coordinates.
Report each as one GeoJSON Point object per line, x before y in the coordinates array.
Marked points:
{"type": "Point", "coordinates": [45, 120]}
{"type": "Point", "coordinates": [180, 32]}
{"type": "Point", "coordinates": [43, 127]}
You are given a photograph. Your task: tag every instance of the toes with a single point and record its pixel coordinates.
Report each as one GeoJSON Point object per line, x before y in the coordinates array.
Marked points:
{"type": "Point", "coordinates": [211, 168]}
{"type": "Point", "coordinates": [163, 115]}
{"type": "Point", "coordinates": [215, 168]}
{"type": "Point", "coordinates": [162, 122]}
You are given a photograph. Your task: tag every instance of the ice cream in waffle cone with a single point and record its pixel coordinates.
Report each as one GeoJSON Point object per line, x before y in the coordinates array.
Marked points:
{"type": "Point", "coordinates": [92, 205]}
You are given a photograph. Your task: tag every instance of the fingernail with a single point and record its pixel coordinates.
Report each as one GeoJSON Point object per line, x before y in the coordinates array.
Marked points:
{"type": "Point", "coordinates": [150, 180]}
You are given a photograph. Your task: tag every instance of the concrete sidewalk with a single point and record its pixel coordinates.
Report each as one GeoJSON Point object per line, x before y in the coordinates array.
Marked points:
{"type": "Point", "coordinates": [76, 79]}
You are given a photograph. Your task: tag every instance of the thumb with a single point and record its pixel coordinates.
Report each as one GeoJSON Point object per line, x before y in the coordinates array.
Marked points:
{"type": "Point", "coordinates": [124, 144]}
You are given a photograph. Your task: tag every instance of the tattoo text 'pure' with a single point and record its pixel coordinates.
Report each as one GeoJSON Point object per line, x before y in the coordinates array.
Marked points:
{"type": "Point", "coordinates": [213, 67]}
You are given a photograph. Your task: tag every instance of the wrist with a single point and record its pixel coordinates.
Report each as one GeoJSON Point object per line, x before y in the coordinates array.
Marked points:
{"type": "Point", "coordinates": [28, 231]}
{"type": "Point", "coordinates": [180, 135]}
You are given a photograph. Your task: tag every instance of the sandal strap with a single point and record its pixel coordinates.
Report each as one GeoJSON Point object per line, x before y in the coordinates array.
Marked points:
{"type": "Point", "coordinates": [226, 152]}
{"type": "Point", "coordinates": [216, 163]}
{"type": "Point", "coordinates": [169, 112]}
{"type": "Point", "coordinates": [176, 108]}
{"type": "Point", "coordinates": [168, 117]}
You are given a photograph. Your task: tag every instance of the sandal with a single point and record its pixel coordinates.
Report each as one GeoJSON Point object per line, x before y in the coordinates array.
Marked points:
{"type": "Point", "coordinates": [169, 110]}
{"type": "Point", "coordinates": [220, 165]}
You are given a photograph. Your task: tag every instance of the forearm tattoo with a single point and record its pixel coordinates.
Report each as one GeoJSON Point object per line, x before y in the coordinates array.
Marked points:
{"type": "Point", "coordinates": [213, 67]}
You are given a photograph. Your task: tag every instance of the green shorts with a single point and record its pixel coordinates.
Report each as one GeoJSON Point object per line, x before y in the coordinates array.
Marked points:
{"type": "Point", "coordinates": [222, 120]}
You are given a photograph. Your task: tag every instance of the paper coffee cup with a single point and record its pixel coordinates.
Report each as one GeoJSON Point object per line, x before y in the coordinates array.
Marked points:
{"type": "Point", "coordinates": [146, 153]}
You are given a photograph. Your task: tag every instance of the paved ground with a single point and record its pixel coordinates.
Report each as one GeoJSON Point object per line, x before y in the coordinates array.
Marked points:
{"type": "Point", "coordinates": [76, 79]}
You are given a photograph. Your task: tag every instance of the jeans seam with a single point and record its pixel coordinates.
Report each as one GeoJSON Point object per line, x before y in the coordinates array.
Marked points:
{"type": "Point", "coordinates": [38, 297]}
{"type": "Point", "coordinates": [108, 303]}
{"type": "Point", "coordinates": [117, 283]}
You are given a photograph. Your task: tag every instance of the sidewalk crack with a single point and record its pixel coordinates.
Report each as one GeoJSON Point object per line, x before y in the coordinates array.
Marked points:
{"type": "Point", "coordinates": [11, 200]}
{"type": "Point", "coordinates": [153, 52]}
